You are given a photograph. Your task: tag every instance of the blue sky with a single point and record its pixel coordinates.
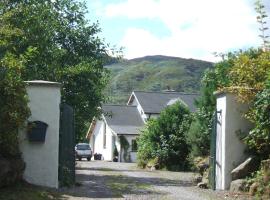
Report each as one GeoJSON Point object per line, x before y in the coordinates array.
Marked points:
{"type": "Point", "coordinates": [182, 28]}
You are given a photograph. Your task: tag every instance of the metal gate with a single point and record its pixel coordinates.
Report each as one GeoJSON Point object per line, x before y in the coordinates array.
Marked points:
{"type": "Point", "coordinates": [66, 175]}
{"type": "Point", "coordinates": [212, 174]}
{"type": "Point", "coordinates": [213, 149]}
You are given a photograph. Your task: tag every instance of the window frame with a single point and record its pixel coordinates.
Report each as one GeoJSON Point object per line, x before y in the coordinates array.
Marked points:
{"type": "Point", "coordinates": [134, 144]}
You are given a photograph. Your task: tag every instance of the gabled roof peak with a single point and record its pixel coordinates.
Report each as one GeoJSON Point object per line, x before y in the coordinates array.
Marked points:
{"type": "Point", "coordinates": [165, 92]}
{"type": "Point", "coordinates": [120, 105]}
{"type": "Point", "coordinates": [155, 102]}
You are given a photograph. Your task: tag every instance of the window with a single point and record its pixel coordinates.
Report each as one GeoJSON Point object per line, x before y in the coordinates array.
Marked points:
{"type": "Point", "coordinates": [104, 136]}
{"type": "Point", "coordinates": [134, 145]}
{"type": "Point", "coordinates": [83, 147]}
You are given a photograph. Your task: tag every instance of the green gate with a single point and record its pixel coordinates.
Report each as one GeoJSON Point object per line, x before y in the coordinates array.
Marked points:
{"type": "Point", "coordinates": [66, 175]}
{"type": "Point", "coordinates": [212, 174]}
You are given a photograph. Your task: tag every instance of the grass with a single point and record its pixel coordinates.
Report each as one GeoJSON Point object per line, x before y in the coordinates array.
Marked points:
{"type": "Point", "coordinates": [122, 185]}
{"type": "Point", "coordinates": [24, 191]}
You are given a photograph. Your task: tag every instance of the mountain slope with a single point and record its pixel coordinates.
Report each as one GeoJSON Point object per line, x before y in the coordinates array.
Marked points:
{"type": "Point", "coordinates": [154, 73]}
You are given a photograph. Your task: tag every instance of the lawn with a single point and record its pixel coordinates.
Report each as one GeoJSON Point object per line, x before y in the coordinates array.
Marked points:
{"type": "Point", "coordinates": [24, 191]}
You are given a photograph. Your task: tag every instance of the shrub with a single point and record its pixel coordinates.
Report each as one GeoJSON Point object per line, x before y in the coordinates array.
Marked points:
{"type": "Point", "coordinates": [164, 138]}
{"type": "Point", "coordinates": [198, 136]}
{"type": "Point", "coordinates": [13, 109]}
{"type": "Point", "coordinates": [258, 139]}
{"type": "Point", "coordinates": [259, 182]}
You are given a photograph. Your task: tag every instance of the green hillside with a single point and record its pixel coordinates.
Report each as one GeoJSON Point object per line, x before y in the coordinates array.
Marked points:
{"type": "Point", "coordinates": [154, 73]}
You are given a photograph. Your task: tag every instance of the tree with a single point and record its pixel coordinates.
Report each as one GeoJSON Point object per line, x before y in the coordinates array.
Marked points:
{"type": "Point", "coordinates": [258, 139]}
{"type": "Point", "coordinates": [13, 101]}
{"type": "Point", "coordinates": [201, 127]}
{"type": "Point", "coordinates": [164, 138]}
{"type": "Point", "coordinates": [243, 73]}
{"type": "Point", "coordinates": [13, 109]}
{"type": "Point", "coordinates": [249, 72]}
{"type": "Point", "coordinates": [261, 19]}
{"type": "Point", "coordinates": [65, 48]}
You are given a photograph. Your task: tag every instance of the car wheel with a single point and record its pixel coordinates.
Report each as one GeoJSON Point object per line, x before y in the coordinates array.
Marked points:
{"type": "Point", "coordinates": [79, 158]}
{"type": "Point", "coordinates": [89, 158]}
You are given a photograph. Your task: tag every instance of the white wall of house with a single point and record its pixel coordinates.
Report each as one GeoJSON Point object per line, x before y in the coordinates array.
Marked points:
{"type": "Point", "coordinates": [229, 148]}
{"type": "Point", "coordinates": [42, 158]}
{"type": "Point", "coordinates": [97, 140]}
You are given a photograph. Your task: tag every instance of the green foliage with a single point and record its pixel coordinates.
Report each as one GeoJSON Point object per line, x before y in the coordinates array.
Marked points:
{"type": "Point", "coordinates": [13, 109]}
{"type": "Point", "coordinates": [261, 19]}
{"type": "Point", "coordinates": [237, 73]}
{"type": "Point", "coordinates": [249, 73]}
{"type": "Point", "coordinates": [13, 101]}
{"type": "Point", "coordinates": [258, 138]}
{"type": "Point", "coordinates": [198, 136]}
{"type": "Point", "coordinates": [201, 127]}
{"type": "Point", "coordinates": [259, 182]}
{"type": "Point", "coordinates": [164, 138]}
{"type": "Point", "coordinates": [154, 73]}
{"type": "Point", "coordinates": [65, 48]}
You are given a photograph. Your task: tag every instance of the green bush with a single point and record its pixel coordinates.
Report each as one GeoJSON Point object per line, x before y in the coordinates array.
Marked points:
{"type": "Point", "coordinates": [258, 139]}
{"type": "Point", "coordinates": [164, 138]}
{"type": "Point", "coordinates": [198, 136]}
{"type": "Point", "coordinates": [13, 109]}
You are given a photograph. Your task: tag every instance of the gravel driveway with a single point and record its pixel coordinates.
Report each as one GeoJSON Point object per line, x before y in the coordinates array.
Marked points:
{"type": "Point", "coordinates": [110, 180]}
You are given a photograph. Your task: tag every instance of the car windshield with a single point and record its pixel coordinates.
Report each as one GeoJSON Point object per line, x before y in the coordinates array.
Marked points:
{"type": "Point", "coordinates": [83, 147]}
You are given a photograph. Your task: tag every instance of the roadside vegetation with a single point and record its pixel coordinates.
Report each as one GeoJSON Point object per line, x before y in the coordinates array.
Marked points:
{"type": "Point", "coordinates": [52, 41]}
{"type": "Point", "coordinates": [163, 142]}
{"type": "Point", "coordinates": [56, 42]}
{"type": "Point", "coordinates": [245, 73]}
{"type": "Point", "coordinates": [24, 191]}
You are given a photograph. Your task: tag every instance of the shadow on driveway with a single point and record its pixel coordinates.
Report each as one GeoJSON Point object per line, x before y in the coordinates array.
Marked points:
{"type": "Point", "coordinates": [96, 184]}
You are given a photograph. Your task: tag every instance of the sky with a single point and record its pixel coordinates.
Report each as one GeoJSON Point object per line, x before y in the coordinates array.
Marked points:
{"type": "Point", "coordinates": [182, 28]}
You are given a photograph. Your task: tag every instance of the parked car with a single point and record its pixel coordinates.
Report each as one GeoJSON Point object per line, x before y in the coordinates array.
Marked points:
{"type": "Point", "coordinates": [83, 150]}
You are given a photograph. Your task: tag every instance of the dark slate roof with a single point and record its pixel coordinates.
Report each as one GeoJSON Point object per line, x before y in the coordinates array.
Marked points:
{"type": "Point", "coordinates": [154, 102]}
{"type": "Point", "coordinates": [123, 119]}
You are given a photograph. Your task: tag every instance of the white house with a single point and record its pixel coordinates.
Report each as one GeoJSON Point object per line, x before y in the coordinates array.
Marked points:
{"type": "Point", "coordinates": [118, 121]}
{"type": "Point", "coordinates": [150, 104]}
{"type": "Point", "coordinates": [125, 121]}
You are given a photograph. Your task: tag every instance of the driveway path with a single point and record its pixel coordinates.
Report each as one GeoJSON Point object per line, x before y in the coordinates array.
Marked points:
{"type": "Point", "coordinates": [109, 180]}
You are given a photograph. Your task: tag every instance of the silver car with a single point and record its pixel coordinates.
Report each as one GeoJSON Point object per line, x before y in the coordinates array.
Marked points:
{"type": "Point", "coordinates": [83, 150]}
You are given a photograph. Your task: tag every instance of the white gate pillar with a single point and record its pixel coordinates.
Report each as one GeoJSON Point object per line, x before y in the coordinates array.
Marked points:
{"type": "Point", "coordinates": [229, 148]}
{"type": "Point", "coordinates": [41, 158]}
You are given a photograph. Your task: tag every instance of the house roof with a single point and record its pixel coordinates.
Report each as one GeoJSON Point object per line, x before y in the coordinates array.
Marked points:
{"type": "Point", "coordinates": [154, 102]}
{"type": "Point", "coordinates": [123, 119]}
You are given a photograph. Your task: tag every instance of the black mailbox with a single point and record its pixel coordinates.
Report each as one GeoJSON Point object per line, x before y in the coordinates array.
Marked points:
{"type": "Point", "coordinates": [37, 131]}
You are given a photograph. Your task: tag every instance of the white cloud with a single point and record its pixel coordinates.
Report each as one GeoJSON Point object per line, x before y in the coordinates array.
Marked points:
{"type": "Point", "coordinates": [198, 28]}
